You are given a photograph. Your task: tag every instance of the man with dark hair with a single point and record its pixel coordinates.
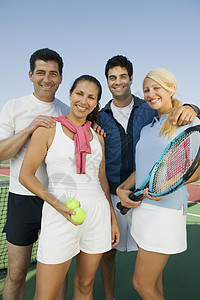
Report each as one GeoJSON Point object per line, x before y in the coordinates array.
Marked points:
{"type": "Point", "coordinates": [122, 118]}
{"type": "Point", "coordinates": [117, 61]}
{"type": "Point", "coordinates": [46, 55]}
{"type": "Point", "coordinates": [19, 118]}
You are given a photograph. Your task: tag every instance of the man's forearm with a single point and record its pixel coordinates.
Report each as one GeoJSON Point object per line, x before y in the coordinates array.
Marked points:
{"type": "Point", "coordinates": [10, 147]}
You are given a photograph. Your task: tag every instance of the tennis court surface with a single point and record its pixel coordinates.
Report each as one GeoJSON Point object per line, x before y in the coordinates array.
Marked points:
{"type": "Point", "coordinates": [182, 273]}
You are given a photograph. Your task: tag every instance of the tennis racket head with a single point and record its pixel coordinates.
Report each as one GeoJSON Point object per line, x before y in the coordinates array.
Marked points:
{"type": "Point", "coordinates": [177, 164]}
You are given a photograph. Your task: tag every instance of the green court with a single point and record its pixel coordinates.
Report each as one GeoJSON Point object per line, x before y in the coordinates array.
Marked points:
{"type": "Point", "coordinates": [182, 273]}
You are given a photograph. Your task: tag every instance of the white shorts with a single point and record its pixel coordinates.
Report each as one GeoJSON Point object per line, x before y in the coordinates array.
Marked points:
{"type": "Point", "coordinates": [127, 243]}
{"type": "Point", "coordinates": [60, 240]}
{"type": "Point", "coordinates": [159, 229]}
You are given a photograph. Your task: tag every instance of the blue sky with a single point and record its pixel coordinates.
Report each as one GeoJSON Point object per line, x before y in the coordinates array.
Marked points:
{"type": "Point", "coordinates": [86, 33]}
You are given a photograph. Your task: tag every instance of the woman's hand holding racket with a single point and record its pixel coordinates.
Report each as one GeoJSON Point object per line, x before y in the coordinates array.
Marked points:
{"type": "Point", "coordinates": [126, 202]}
{"type": "Point", "coordinates": [147, 195]}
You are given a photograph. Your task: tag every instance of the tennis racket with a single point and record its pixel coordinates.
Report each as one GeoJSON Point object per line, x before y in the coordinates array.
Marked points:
{"type": "Point", "coordinates": [175, 166]}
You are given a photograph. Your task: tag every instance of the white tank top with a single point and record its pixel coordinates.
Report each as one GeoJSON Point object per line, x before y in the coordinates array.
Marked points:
{"type": "Point", "coordinates": [64, 182]}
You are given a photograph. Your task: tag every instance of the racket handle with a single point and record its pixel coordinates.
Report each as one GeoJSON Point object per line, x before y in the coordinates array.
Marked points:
{"type": "Point", "coordinates": [119, 205]}
{"type": "Point", "coordinates": [123, 209]}
{"type": "Point", "coordinates": [131, 196]}
{"type": "Point", "coordinates": [135, 198]}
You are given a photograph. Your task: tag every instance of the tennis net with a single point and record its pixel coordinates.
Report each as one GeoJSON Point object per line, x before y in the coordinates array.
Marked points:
{"type": "Point", "coordinates": [4, 189]}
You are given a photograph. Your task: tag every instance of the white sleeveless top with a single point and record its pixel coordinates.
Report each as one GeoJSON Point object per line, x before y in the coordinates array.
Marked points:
{"type": "Point", "coordinates": [59, 239]}
{"type": "Point", "coordinates": [64, 182]}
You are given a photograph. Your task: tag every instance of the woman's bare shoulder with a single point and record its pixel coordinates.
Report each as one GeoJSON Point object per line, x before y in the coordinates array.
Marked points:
{"type": "Point", "coordinates": [44, 135]}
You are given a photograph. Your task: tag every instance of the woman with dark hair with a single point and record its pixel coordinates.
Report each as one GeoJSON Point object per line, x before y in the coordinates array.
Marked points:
{"type": "Point", "coordinates": [75, 163]}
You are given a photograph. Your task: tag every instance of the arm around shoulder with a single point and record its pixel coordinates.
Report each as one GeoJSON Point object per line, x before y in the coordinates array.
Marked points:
{"type": "Point", "coordinates": [10, 147]}
{"type": "Point", "coordinates": [10, 143]}
{"type": "Point", "coordinates": [185, 114]}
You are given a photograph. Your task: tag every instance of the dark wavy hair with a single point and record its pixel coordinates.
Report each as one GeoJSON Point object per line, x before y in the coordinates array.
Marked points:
{"type": "Point", "coordinates": [94, 115]}
{"type": "Point", "coordinates": [119, 61]}
{"type": "Point", "coordinates": [46, 55]}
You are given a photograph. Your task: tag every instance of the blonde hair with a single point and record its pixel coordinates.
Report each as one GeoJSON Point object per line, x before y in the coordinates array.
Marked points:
{"type": "Point", "coordinates": [166, 79]}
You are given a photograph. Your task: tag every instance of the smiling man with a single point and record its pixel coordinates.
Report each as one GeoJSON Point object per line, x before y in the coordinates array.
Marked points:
{"type": "Point", "coordinates": [18, 120]}
{"type": "Point", "coordinates": [46, 78]}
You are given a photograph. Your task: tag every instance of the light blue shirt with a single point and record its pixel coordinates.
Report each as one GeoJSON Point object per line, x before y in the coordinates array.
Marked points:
{"type": "Point", "coordinates": [148, 149]}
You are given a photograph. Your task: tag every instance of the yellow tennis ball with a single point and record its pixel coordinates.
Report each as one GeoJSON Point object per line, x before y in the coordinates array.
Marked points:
{"type": "Point", "coordinates": [72, 203]}
{"type": "Point", "coordinates": [80, 215]}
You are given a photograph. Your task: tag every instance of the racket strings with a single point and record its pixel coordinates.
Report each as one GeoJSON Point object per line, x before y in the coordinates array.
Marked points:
{"type": "Point", "coordinates": [176, 162]}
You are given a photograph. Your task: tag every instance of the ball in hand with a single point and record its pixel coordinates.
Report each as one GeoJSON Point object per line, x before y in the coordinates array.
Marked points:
{"type": "Point", "coordinates": [80, 215]}
{"type": "Point", "coordinates": [72, 203]}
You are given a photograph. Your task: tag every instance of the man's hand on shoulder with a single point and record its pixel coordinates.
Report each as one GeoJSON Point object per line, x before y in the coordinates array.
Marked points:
{"type": "Point", "coordinates": [41, 121]}
{"type": "Point", "coordinates": [98, 129]}
{"type": "Point", "coordinates": [184, 115]}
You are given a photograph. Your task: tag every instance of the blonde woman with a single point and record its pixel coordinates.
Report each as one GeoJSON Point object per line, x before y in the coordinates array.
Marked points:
{"type": "Point", "coordinates": [158, 224]}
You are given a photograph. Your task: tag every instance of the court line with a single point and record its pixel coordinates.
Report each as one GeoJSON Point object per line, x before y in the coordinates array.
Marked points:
{"type": "Point", "coordinates": [193, 215]}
